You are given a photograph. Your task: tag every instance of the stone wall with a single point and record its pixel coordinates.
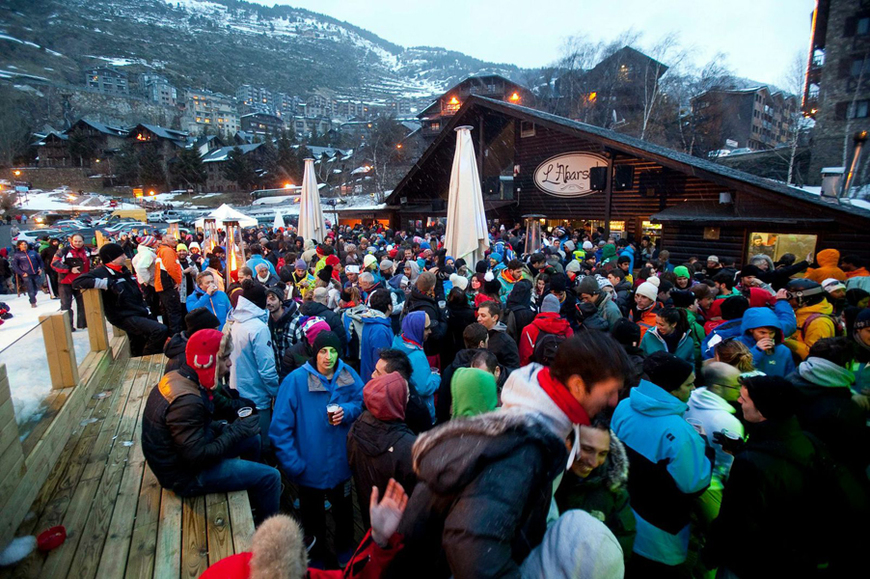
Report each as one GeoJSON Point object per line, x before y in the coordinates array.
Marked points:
{"type": "Point", "coordinates": [53, 177]}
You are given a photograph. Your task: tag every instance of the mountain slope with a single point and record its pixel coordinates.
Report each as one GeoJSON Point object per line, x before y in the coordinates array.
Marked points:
{"type": "Point", "coordinates": [221, 44]}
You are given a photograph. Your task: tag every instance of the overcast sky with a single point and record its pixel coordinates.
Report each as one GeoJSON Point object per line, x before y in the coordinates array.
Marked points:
{"type": "Point", "coordinates": [760, 37]}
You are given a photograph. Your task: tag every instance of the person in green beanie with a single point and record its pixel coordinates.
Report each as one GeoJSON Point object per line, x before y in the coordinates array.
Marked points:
{"type": "Point", "coordinates": [474, 389]}
{"type": "Point", "coordinates": [608, 255]}
{"type": "Point", "coordinates": [684, 278]}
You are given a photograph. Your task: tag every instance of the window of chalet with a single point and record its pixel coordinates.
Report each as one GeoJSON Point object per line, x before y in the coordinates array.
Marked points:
{"type": "Point", "coordinates": [776, 245]}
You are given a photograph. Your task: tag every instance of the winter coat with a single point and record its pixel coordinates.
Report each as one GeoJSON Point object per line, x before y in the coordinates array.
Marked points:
{"type": "Point", "coordinates": [379, 448]}
{"type": "Point", "coordinates": [63, 256]}
{"type": "Point", "coordinates": [377, 335]}
{"type": "Point", "coordinates": [722, 332]}
{"type": "Point", "coordinates": [668, 468]}
{"type": "Point", "coordinates": [459, 317]}
{"type": "Point", "coordinates": [167, 270]}
{"type": "Point", "coordinates": [604, 495]}
{"type": "Point", "coordinates": [122, 297]}
{"type": "Point", "coordinates": [607, 309]}
{"type": "Point", "coordinates": [473, 391]}
{"type": "Point", "coordinates": [26, 262]}
{"type": "Point", "coordinates": [645, 319]}
{"type": "Point", "coordinates": [504, 347]}
{"type": "Point", "coordinates": [174, 350]}
{"type": "Point", "coordinates": [425, 381]}
{"type": "Point", "coordinates": [652, 342]}
{"type": "Point", "coordinates": [826, 410]}
{"type": "Point", "coordinates": [218, 303]}
{"type": "Point", "coordinates": [283, 332]}
{"type": "Point", "coordinates": [271, 281]}
{"type": "Point", "coordinates": [485, 486]}
{"type": "Point", "coordinates": [312, 308]}
{"type": "Point", "coordinates": [829, 266]}
{"type": "Point", "coordinates": [820, 327]}
{"type": "Point", "coordinates": [259, 259]}
{"type": "Point", "coordinates": [769, 477]}
{"type": "Point", "coordinates": [253, 373]}
{"type": "Point", "coordinates": [180, 432]}
{"type": "Point", "coordinates": [778, 363]}
{"type": "Point", "coordinates": [623, 296]}
{"type": "Point", "coordinates": [310, 451]}
{"type": "Point", "coordinates": [519, 311]}
{"type": "Point", "coordinates": [716, 415]}
{"type": "Point", "coordinates": [143, 264]}
{"type": "Point", "coordinates": [420, 302]}
{"type": "Point", "coordinates": [445, 396]}
{"type": "Point", "coordinates": [548, 322]}
{"type": "Point", "coordinates": [506, 281]}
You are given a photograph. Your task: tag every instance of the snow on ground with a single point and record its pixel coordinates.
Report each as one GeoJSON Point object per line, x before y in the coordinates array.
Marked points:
{"type": "Point", "coordinates": [64, 199]}
{"type": "Point", "coordinates": [22, 349]}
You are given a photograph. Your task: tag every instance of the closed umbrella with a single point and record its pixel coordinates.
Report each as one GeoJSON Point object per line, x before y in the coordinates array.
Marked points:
{"type": "Point", "coordinates": [279, 221]}
{"type": "Point", "coordinates": [466, 219]}
{"type": "Point", "coordinates": [311, 224]}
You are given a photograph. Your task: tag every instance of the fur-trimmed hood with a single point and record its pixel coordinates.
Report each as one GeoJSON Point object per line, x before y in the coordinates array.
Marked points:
{"type": "Point", "coordinates": [451, 455]}
{"type": "Point", "coordinates": [614, 472]}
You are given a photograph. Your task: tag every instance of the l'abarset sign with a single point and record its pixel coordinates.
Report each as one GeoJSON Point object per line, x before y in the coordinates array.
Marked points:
{"type": "Point", "coordinates": [567, 174]}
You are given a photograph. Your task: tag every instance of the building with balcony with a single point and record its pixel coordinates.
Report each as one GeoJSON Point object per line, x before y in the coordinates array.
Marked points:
{"type": "Point", "coordinates": [253, 99]}
{"type": "Point", "coordinates": [837, 88]}
{"type": "Point", "coordinates": [262, 124]}
{"type": "Point", "coordinates": [210, 112]}
{"type": "Point", "coordinates": [107, 80]}
{"type": "Point", "coordinates": [158, 89]}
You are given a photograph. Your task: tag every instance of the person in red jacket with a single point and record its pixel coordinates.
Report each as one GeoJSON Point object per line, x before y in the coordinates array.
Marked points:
{"type": "Point", "coordinates": [548, 321]}
{"type": "Point", "coordinates": [69, 263]}
{"type": "Point", "coordinates": [278, 550]}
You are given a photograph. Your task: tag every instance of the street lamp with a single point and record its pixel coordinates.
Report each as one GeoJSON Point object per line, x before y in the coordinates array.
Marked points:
{"type": "Point", "coordinates": [17, 173]}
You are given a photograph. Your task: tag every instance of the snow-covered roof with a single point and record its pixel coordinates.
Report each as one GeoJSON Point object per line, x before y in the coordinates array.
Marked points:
{"type": "Point", "coordinates": [105, 129]}
{"type": "Point", "coordinates": [221, 154]}
{"type": "Point", "coordinates": [834, 170]}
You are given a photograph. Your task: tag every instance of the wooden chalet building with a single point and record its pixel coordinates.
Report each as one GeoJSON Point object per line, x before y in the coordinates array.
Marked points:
{"type": "Point", "coordinates": [52, 150]}
{"type": "Point", "coordinates": [102, 140]}
{"type": "Point", "coordinates": [531, 162]}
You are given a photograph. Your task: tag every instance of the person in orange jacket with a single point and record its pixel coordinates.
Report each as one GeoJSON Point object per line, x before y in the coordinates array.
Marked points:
{"type": "Point", "coordinates": [829, 261]}
{"type": "Point", "coordinates": [167, 277]}
{"type": "Point", "coordinates": [279, 552]}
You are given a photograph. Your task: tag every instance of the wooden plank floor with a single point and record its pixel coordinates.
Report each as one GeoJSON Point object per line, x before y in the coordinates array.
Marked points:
{"type": "Point", "coordinates": [119, 522]}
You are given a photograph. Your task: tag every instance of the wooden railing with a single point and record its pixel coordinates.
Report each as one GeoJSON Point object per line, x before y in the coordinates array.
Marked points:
{"type": "Point", "coordinates": [25, 465]}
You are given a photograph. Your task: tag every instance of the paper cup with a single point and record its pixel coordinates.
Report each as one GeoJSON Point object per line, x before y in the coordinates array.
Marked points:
{"type": "Point", "coordinates": [245, 411]}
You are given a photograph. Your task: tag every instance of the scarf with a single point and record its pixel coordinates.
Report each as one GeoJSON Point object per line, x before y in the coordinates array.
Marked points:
{"type": "Point", "coordinates": [825, 373]}
{"type": "Point", "coordinates": [560, 395]}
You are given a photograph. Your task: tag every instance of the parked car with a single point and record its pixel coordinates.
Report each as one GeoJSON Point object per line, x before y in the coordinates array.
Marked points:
{"type": "Point", "coordinates": [70, 224]}
{"type": "Point", "coordinates": [741, 151]}
{"type": "Point", "coordinates": [32, 235]}
{"type": "Point", "coordinates": [718, 153]}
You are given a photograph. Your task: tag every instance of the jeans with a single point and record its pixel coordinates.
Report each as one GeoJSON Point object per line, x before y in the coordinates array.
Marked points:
{"type": "Point", "coordinates": [31, 286]}
{"type": "Point", "coordinates": [170, 303]}
{"type": "Point", "coordinates": [265, 417]}
{"type": "Point", "coordinates": [146, 336]}
{"type": "Point", "coordinates": [67, 293]}
{"type": "Point", "coordinates": [313, 515]}
{"type": "Point", "coordinates": [262, 482]}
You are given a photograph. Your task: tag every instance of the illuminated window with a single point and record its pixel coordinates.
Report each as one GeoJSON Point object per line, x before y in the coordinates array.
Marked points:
{"type": "Point", "coordinates": [776, 245]}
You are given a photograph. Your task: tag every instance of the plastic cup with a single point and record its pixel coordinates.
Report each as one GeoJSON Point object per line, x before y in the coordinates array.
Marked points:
{"type": "Point", "coordinates": [245, 411]}
{"type": "Point", "coordinates": [696, 424]}
{"type": "Point", "coordinates": [331, 409]}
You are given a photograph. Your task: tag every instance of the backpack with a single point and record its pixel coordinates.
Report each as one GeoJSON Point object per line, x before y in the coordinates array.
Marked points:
{"type": "Point", "coordinates": [546, 346]}
{"type": "Point", "coordinates": [839, 329]}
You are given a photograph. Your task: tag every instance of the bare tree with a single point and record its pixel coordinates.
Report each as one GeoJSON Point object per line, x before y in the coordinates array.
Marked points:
{"type": "Point", "coordinates": [666, 50]}
{"type": "Point", "coordinates": [793, 82]}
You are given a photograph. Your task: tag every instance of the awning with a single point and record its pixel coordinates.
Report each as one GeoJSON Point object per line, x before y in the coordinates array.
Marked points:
{"type": "Point", "coordinates": [712, 213]}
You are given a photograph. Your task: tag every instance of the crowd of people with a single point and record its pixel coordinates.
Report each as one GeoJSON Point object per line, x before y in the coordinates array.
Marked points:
{"type": "Point", "coordinates": [586, 409]}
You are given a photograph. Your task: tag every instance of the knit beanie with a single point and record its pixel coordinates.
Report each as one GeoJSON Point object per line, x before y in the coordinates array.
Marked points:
{"type": "Point", "coordinates": [648, 290]}
{"type": "Point", "coordinates": [180, 247]}
{"type": "Point", "coordinates": [587, 245]}
{"type": "Point", "coordinates": [386, 265]}
{"type": "Point", "coordinates": [279, 290]}
{"type": "Point", "coordinates": [254, 293]}
{"type": "Point", "coordinates": [200, 319]}
{"type": "Point", "coordinates": [491, 285]}
{"type": "Point", "coordinates": [481, 266]}
{"type": "Point", "coordinates": [147, 241]}
{"type": "Point", "coordinates": [773, 396]}
{"type": "Point", "coordinates": [626, 332]}
{"type": "Point", "coordinates": [110, 252]}
{"type": "Point", "coordinates": [573, 266]}
{"type": "Point", "coordinates": [734, 307]}
{"type": "Point", "coordinates": [550, 304]}
{"type": "Point", "coordinates": [300, 264]}
{"type": "Point", "coordinates": [682, 271]}
{"type": "Point", "coordinates": [332, 260]}
{"type": "Point", "coordinates": [666, 370]}
{"type": "Point", "coordinates": [459, 281]}
{"type": "Point", "coordinates": [201, 355]}
{"type": "Point", "coordinates": [326, 339]}
{"type": "Point", "coordinates": [862, 320]}
{"type": "Point", "coordinates": [369, 260]}
{"type": "Point", "coordinates": [313, 326]}
{"type": "Point", "coordinates": [749, 270]}
{"type": "Point", "coordinates": [558, 282]}
{"type": "Point", "coordinates": [325, 274]}
{"type": "Point", "coordinates": [682, 298]}
{"type": "Point", "coordinates": [588, 285]}
{"type": "Point", "coordinates": [655, 280]}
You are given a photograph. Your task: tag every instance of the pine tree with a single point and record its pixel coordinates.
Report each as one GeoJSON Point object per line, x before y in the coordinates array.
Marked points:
{"type": "Point", "coordinates": [80, 146]}
{"type": "Point", "coordinates": [151, 170]}
{"type": "Point", "coordinates": [187, 169]}
{"type": "Point", "coordinates": [238, 169]}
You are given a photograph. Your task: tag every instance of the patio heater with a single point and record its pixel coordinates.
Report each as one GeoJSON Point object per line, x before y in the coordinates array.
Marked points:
{"type": "Point", "coordinates": [172, 229]}
{"type": "Point", "coordinates": [858, 140]}
{"type": "Point", "coordinates": [210, 235]}
{"type": "Point", "coordinates": [534, 241]}
{"type": "Point", "coordinates": [235, 251]}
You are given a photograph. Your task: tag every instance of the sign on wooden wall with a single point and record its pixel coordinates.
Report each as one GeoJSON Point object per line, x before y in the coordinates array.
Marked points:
{"type": "Point", "coordinates": [567, 174]}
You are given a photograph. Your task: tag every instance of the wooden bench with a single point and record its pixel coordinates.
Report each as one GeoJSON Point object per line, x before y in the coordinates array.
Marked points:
{"type": "Point", "coordinates": [119, 522]}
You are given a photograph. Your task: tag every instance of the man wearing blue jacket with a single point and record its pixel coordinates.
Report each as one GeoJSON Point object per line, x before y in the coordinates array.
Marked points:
{"type": "Point", "coordinates": [763, 332]}
{"type": "Point", "coordinates": [256, 259]}
{"type": "Point", "coordinates": [670, 464]}
{"type": "Point", "coordinates": [207, 295]}
{"type": "Point", "coordinates": [311, 442]}
{"type": "Point", "coordinates": [28, 265]}
{"type": "Point", "coordinates": [377, 332]}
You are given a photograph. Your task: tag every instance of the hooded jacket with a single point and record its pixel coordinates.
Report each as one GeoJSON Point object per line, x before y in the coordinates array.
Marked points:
{"type": "Point", "coordinates": [445, 396]}
{"type": "Point", "coordinates": [217, 303]}
{"type": "Point", "coordinates": [377, 335]}
{"type": "Point", "coordinates": [820, 327]}
{"type": "Point", "coordinates": [547, 322]}
{"type": "Point", "coordinates": [669, 469]}
{"type": "Point", "coordinates": [312, 308]}
{"type": "Point", "coordinates": [253, 373]}
{"type": "Point", "coordinates": [518, 311]}
{"type": "Point", "coordinates": [419, 302]}
{"type": "Point", "coordinates": [716, 415]}
{"type": "Point", "coordinates": [829, 266]}
{"type": "Point", "coordinates": [604, 495]}
{"type": "Point", "coordinates": [424, 379]}
{"type": "Point", "coordinates": [174, 350]}
{"type": "Point", "coordinates": [504, 347]}
{"type": "Point", "coordinates": [473, 391]}
{"type": "Point", "coordinates": [777, 363]}
{"type": "Point", "coordinates": [379, 443]}
{"type": "Point", "coordinates": [259, 259]}
{"type": "Point", "coordinates": [607, 309]}
{"type": "Point", "coordinates": [652, 342]}
{"type": "Point", "coordinates": [167, 269]}
{"type": "Point", "coordinates": [310, 451]}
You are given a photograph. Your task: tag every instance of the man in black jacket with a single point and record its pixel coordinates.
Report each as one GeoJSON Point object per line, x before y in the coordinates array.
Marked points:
{"type": "Point", "coordinates": [475, 337]}
{"type": "Point", "coordinates": [499, 343]}
{"type": "Point", "coordinates": [123, 302]}
{"type": "Point", "coordinates": [422, 299]}
{"type": "Point", "coordinates": [196, 320]}
{"type": "Point", "coordinates": [189, 448]}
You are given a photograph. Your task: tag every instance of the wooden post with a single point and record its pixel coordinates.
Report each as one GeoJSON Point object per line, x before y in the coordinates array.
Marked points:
{"type": "Point", "coordinates": [97, 333]}
{"type": "Point", "coordinates": [12, 466]}
{"type": "Point", "coordinates": [101, 239]}
{"type": "Point", "coordinates": [59, 350]}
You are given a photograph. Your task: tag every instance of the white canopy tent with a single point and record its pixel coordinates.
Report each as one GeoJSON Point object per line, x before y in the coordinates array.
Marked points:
{"type": "Point", "coordinates": [227, 213]}
{"type": "Point", "coordinates": [311, 225]}
{"type": "Point", "coordinates": [467, 236]}
{"type": "Point", "coordinates": [279, 221]}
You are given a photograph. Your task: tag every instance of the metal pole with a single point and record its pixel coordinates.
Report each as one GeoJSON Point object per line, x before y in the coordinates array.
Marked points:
{"type": "Point", "coordinates": [846, 183]}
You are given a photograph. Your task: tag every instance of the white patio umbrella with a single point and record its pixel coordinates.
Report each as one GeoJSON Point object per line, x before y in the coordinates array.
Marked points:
{"type": "Point", "coordinates": [467, 236]}
{"type": "Point", "coordinates": [279, 220]}
{"type": "Point", "coordinates": [311, 225]}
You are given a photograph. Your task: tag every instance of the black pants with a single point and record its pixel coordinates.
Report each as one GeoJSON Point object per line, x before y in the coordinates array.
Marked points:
{"type": "Point", "coordinates": [170, 303]}
{"type": "Point", "coordinates": [640, 566]}
{"type": "Point", "coordinates": [67, 293]}
{"type": "Point", "coordinates": [313, 516]}
{"type": "Point", "coordinates": [146, 336]}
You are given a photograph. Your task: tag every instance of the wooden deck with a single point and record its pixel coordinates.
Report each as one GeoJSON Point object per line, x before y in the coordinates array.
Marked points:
{"type": "Point", "coordinates": [119, 521]}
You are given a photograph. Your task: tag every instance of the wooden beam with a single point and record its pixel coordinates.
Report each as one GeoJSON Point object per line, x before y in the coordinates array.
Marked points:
{"type": "Point", "coordinates": [96, 317]}
{"type": "Point", "coordinates": [59, 349]}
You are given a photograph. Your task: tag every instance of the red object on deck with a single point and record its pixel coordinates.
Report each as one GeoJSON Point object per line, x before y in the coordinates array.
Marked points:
{"type": "Point", "coordinates": [51, 538]}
